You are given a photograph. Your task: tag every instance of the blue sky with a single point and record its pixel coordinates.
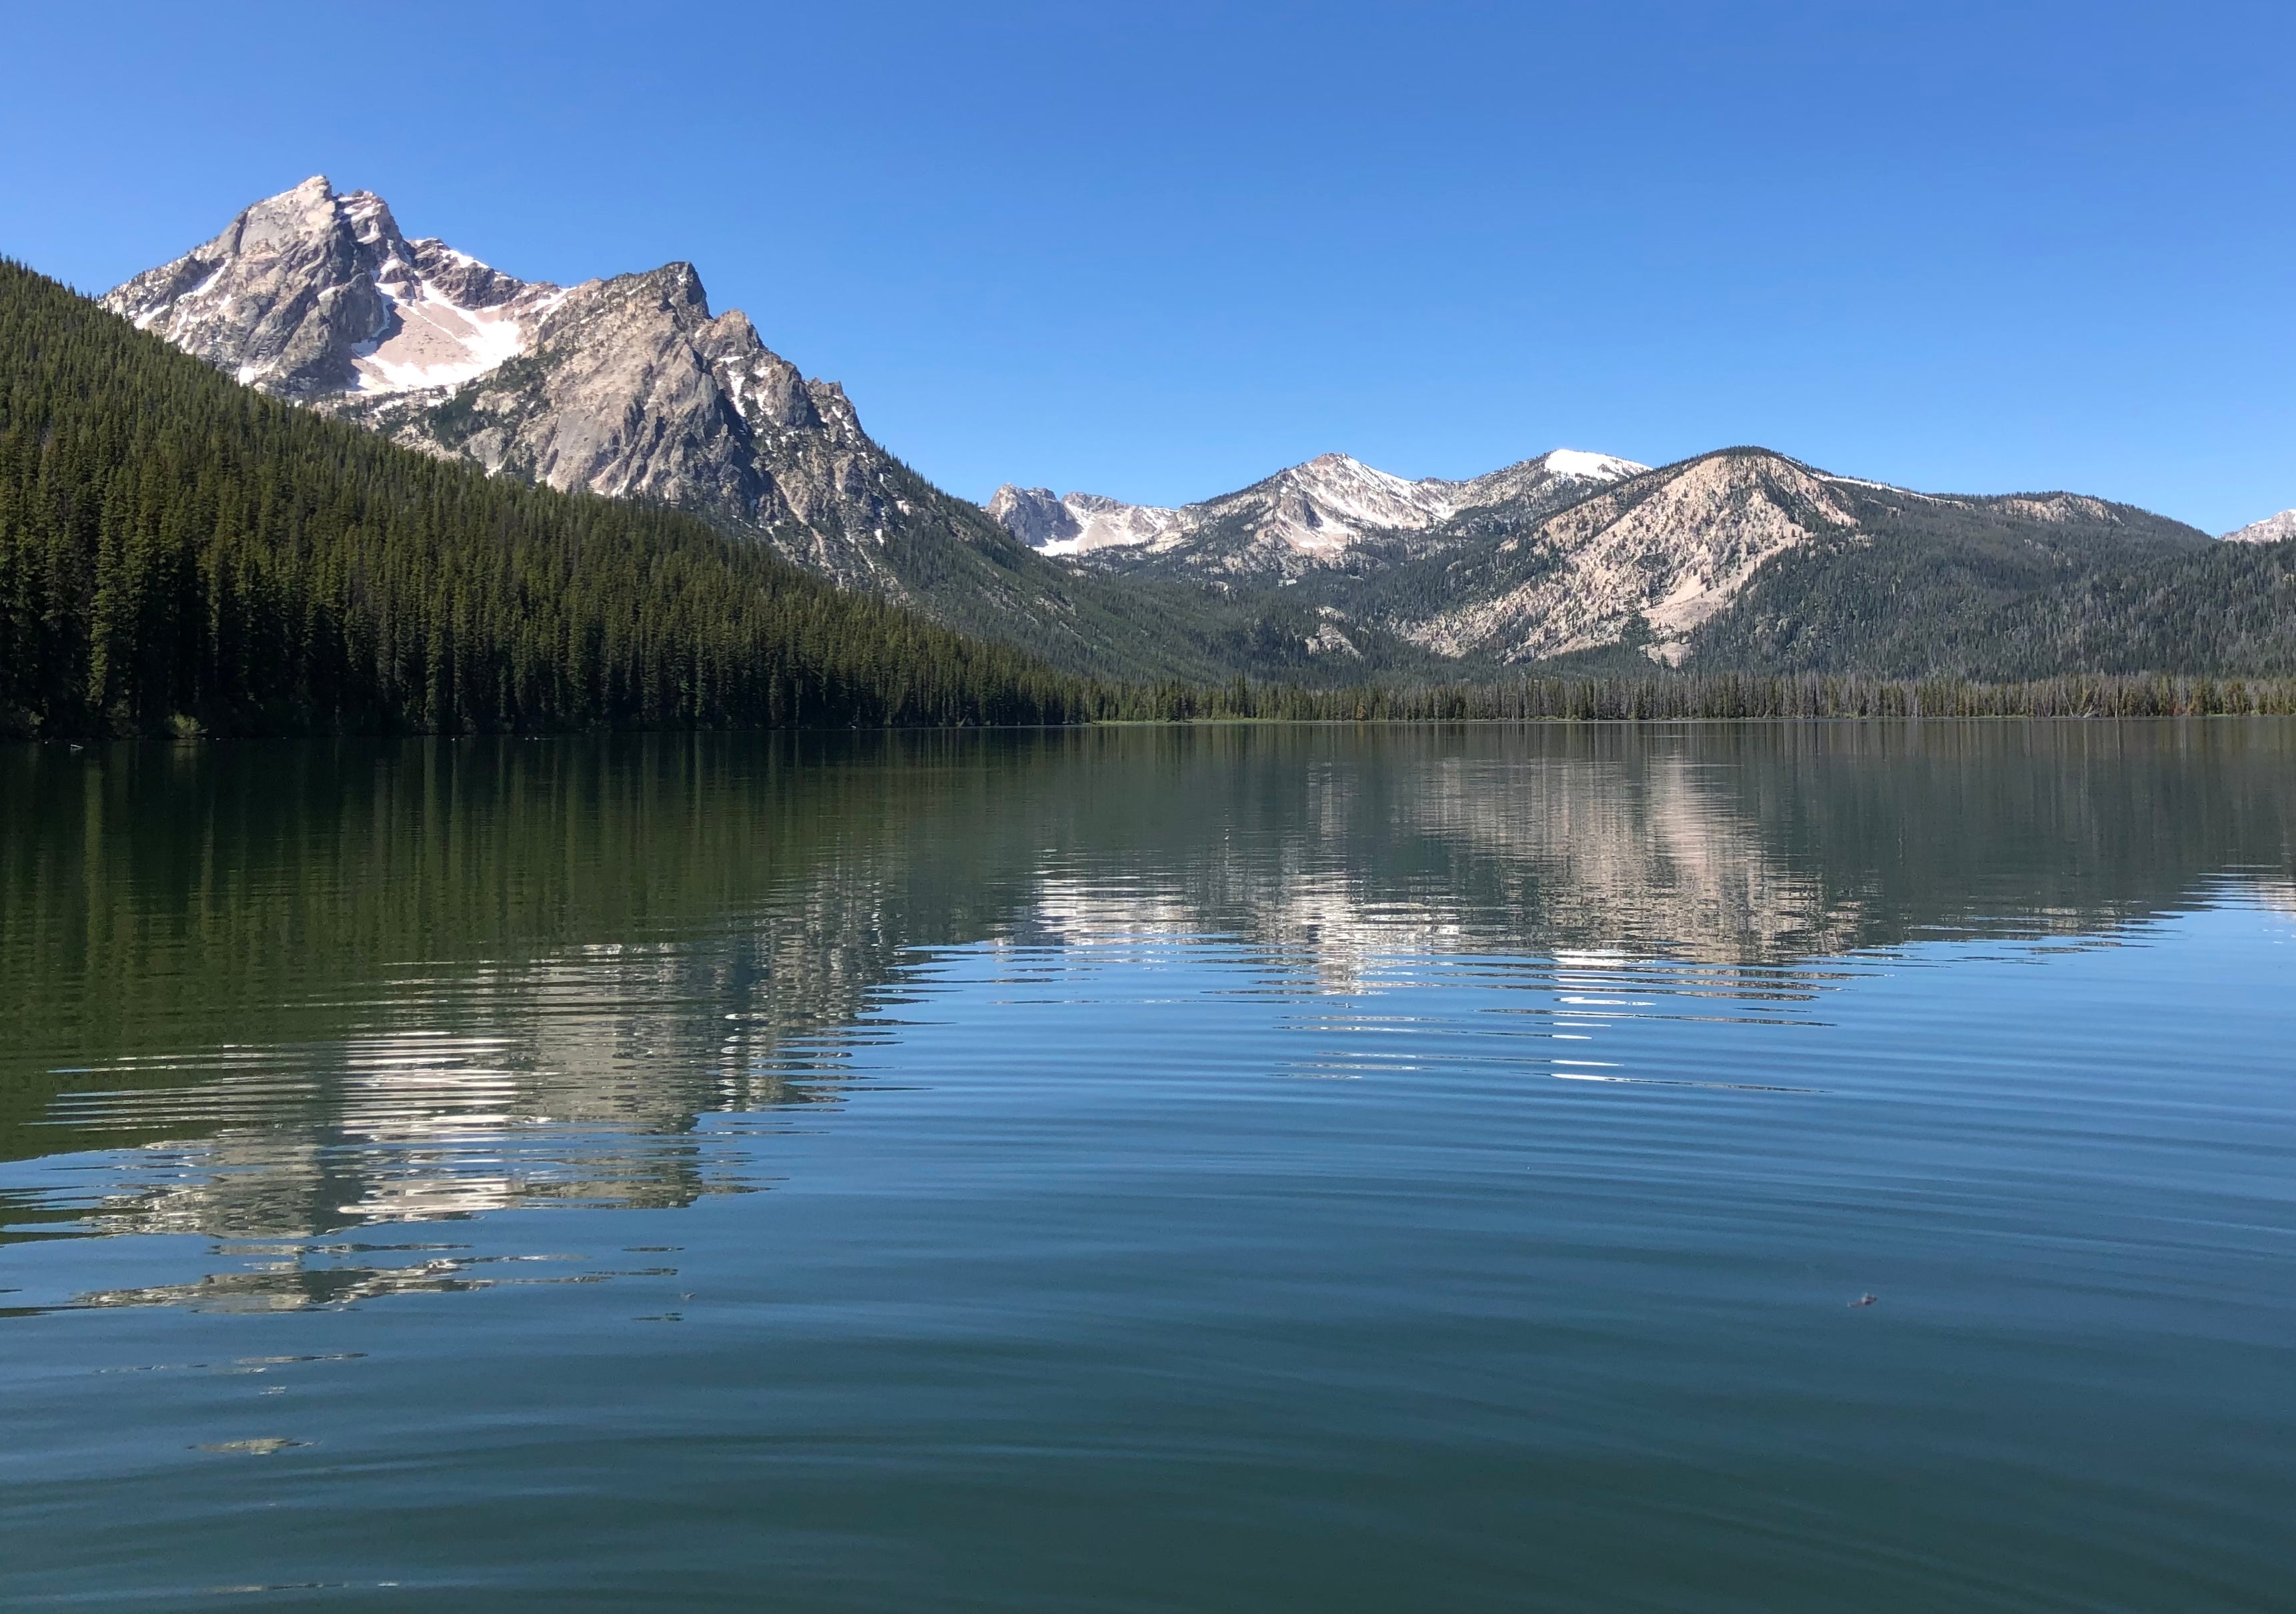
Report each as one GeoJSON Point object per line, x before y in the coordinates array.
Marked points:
{"type": "Point", "coordinates": [1158, 251]}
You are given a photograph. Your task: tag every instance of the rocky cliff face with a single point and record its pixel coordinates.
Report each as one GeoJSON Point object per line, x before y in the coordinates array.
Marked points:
{"type": "Point", "coordinates": [628, 387]}
{"type": "Point", "coordinates": [309, 294]}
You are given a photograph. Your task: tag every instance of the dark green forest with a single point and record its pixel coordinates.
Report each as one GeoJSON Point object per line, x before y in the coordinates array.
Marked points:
{"type": "Point", "coordinates": [179, 553]}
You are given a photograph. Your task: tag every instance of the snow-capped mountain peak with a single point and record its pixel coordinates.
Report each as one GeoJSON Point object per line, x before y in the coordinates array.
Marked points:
{"type": "Point", "coordinates": [2271, 530]}
{"type": "Point", "coordinates": [1307, 515]}
{"type": "Point", "coordinates": [1589, 467]}
{"type": "Point", "coordinates": [1323, 505]}
{"type": "Point", "coordinates": [313, 293]}
{"type": "Point", "coordinates": [630, 387]}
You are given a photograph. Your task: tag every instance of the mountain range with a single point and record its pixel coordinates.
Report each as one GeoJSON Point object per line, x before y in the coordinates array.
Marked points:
{"type": "Point", "coordinates": [630, 388]}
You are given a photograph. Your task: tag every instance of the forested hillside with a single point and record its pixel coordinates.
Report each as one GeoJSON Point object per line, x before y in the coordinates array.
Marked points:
{"type": "Point", "coordinates": [2009, 587]}
{"type": "Point", "coordinates": [181, 553]}
{"type": "Point", "coordinates": [2230, 609]}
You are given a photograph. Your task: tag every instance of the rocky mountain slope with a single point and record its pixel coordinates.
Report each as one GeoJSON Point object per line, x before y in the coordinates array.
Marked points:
{"type": "Point", "coordinates": [1742, 555]}
{"type": "Point", "coordinates": [628, 387]}
{"type": "Point", "coordinates": [1883, 580]}
{"type": "Point", "coordinates": [2271, 530]}
{"type": "Point", "coordinates": [1652, 557]}
{"type": "Point", "coordinates": [1334, 510]}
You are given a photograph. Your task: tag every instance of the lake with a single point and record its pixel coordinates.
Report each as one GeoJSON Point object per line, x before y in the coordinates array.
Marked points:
{"type": "Point", "coordinates": [1705, 1167]}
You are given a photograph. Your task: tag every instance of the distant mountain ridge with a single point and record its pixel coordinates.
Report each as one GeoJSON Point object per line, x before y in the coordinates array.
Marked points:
{"type": "Point", "coordinates": [631, 388]}
{"type": "Point", "coordinates": [1304, 516]}
{"type": "Point", "coordinates": [1572, 553]}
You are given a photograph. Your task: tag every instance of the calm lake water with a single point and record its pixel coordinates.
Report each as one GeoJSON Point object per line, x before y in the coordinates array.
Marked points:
{"type": "Point", "coordinates": [1232, 1168]}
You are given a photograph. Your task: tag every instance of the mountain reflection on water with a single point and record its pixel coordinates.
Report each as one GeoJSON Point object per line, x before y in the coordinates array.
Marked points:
{"type": "Point", "coordinates": [320, 989]}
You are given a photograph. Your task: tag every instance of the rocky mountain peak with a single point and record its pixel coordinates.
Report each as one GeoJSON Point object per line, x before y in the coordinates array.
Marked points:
{"type": "Point", "coordinates": [1036, 517]}
{"type": "Point", "coordinates": [311, 294]}
{"type": "Point", "coordinates": [282, 298]}
{"type": "Point", "coordinates": [629, 386]}
{"type": "Point", "coordinates": [2271, 530]}
{"type": "Point", "coordinates": [1661, 551]}
{"type": "Point", "coordinates": [1312, 514]}
{"type": "Point", "coordinates": [1079, 523]}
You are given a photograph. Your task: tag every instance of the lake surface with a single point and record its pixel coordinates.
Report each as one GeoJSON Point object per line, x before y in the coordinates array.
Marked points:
{"type": "Point", "coordinates": [1229, 1168]}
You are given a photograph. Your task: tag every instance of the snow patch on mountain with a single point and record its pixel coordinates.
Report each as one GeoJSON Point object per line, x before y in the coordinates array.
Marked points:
{"type": "Point", "coordinates": [435, 341]}
{"type": "Point", "coordinates": [1597, 467]}
{"type": "Point", "coordinates": [314, 294]}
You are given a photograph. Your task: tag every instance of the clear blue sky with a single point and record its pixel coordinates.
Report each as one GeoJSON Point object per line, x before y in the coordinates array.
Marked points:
{"type": "Point", "coordinates": [1158, 250]}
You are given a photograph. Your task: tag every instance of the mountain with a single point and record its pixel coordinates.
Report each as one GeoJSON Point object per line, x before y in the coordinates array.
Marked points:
{"type": "Point", "coordinates": [2271, 530]}
{"type": "Point", "coordinates": [626, 387]}
{"type": "Point", "coordinates": [309, 294]}
{"type": "Point", "coordinates": [1905, 584]}
{"type": "Point", "coordinates": [631, 388]}
{"type": "Point", "coordinates": [1077, 523]}
{"type": "Point", "coordinates": [1743, 558]}
{"type": "Point", "coordinates": [1324, 513]}
{"type": "Point", "coordinates": [1650, 557]}
{"type": "Point", "coordinates": [1324, 573]}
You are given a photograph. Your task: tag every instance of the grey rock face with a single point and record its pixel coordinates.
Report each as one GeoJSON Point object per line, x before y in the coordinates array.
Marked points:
{"type": "Point", "coordinates": [282, 298]}
{"type": "Point", "coordinates": [1036, 517]}
{"type": "Point", "coordinates": [626, 387]}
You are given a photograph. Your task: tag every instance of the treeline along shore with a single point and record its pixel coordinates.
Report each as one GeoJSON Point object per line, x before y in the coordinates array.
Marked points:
{"type": "Point", "coordinates": [1674, 697]}
{"type": "Point", "coordinates": [182, 555]}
